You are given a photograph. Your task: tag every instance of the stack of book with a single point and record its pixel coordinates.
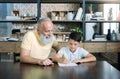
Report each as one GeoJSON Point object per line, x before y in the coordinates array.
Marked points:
{"type": "Point", "coordinates": [99, 38]}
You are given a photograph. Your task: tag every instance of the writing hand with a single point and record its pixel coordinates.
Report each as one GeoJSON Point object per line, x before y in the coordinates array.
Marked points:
{"type": "Point", "coordinates": [76, 61]}
{"type": "Point", "coordinates": [65, 61]}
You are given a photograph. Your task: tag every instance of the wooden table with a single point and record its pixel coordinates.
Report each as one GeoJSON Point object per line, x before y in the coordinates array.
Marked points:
{"type": "Point", "coordinates": [93, 70]}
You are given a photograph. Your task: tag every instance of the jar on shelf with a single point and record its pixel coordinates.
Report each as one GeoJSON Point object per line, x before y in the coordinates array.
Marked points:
{"type": "Point", "coordinates": [113, 36]}
{"type": "Point", "coordinates": [108, 35]}
{"type": "Point", "coordinates": [110, 15]}
{"type": "Point", "coordinates": [62, 15]}
{"type": "Point", "coordinates": [69, 16]}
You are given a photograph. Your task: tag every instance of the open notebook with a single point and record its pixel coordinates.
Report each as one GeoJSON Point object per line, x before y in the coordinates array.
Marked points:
{"type": "Point", "coordinates": [68, 64]}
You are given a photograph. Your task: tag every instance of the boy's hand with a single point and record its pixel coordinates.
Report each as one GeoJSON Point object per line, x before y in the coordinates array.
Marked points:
{"type": "Point", "coordinates": [76, 61]}
{"type": "Point", "coordinates": [64, 60]}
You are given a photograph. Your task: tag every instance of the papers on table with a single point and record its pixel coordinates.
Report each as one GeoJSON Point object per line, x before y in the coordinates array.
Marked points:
{"type": "Point", "coordinates": [69, 64]}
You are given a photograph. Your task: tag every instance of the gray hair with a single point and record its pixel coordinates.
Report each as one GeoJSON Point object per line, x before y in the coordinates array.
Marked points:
{"type": "Point", "coordinates": [40, 20]}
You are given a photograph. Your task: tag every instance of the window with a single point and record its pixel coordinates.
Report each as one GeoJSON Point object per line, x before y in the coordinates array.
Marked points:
{"type": "Point", "coordinates": [114, 14]}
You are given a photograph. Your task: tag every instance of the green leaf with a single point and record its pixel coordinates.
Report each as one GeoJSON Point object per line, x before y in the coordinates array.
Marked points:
{"type": "Point", "coordinates": [77, 29]}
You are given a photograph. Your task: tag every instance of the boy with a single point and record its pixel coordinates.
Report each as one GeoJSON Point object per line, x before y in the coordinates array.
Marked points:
{"type": "Point", "coordinates": [73, 52]}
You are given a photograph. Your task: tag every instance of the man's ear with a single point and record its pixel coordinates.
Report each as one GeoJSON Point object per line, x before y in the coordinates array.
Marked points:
{"type": "Point", "coordinates": [38, 29]}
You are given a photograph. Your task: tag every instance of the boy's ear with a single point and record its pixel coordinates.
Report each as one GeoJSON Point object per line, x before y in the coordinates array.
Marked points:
{"type": "Point", "coordinates": [80, 42]}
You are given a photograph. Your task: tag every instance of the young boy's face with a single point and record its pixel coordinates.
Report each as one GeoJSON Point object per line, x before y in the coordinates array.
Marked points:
{"type": "Point", "coordinates": [73, 45]}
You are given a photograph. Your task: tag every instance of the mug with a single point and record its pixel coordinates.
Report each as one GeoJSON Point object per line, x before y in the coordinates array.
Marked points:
{"type": "Point", "coordinates": [88, 16]}
{"type": "Point", "coordinates": [118, 36]}
{"type": "Point", "coordinates": [69, 16]}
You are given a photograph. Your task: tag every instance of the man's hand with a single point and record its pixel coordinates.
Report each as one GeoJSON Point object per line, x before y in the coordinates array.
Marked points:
{"type": "Point", "coordinates": [45, 62]}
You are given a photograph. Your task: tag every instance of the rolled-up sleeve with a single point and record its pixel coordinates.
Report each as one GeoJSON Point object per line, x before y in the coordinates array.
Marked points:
{"type": "Point", "coordinates": [27, 41]}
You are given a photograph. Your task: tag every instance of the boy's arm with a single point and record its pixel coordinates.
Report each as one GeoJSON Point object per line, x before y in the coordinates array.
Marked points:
{"type": "Point", "coordinates": [88, 58]}
{"type": "Point", "coordinates": [60, 58]}
{"type": "Point", "coordinates": [57, 47]}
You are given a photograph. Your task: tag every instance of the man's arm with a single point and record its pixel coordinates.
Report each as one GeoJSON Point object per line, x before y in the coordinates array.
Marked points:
{"type": "Point", "coordinates": [25, 58]}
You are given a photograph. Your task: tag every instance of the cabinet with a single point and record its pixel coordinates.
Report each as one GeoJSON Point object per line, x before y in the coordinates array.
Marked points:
{"type": "Point", "coordinates": [92, 47]}
{"type": "Point", "coordinates": [7, 47]}
{"type": "Point", "coordinates": [102, 47]}
{"type": "Point", "coordinates": [95, 47]}
{"type": "Point", "coordinates": [113, 47]}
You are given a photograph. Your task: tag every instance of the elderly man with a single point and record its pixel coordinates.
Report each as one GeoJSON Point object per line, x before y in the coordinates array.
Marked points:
{"type": "Point", "coordinates": [37, 44]}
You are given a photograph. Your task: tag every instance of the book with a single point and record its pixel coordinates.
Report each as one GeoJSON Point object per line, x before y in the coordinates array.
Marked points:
{"type": "Point", "coordinates": [79, 14]}
{"type": "Point", "coordinates": [99, 39]}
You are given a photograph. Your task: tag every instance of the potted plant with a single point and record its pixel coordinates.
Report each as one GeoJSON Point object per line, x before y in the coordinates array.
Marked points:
{"type": "Point", "coordinates": [90, 7]}
{"type": "Point", "coordinates": [77, 29]}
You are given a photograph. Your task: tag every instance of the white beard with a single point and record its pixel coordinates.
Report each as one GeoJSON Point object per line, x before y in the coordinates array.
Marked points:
{"type": "Point", "coordinates": [45, 40]}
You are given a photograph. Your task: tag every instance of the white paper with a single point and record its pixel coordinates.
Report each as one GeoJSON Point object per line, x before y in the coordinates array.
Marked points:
{"type": "Point", "coordinates": [68, 64]}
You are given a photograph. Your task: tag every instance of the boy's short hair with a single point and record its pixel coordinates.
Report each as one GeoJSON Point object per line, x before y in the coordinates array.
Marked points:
{"type": "Point", "coordinates": [75, 36]}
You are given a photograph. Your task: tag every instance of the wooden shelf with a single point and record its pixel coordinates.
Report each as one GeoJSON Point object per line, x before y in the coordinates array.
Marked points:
{"type": "Point", "coordinates": [92, 21]}
{"type": "Point", "coordinates": [60, 1]}
{"type": "Point", "coordinates": [65, 21]}
{"type": "Point", "coordinates": [20, 21]}
{"type": "Point", "coordinates": [42, 1]}
{"type": "Point", "coordinates": [103, 1]}
{"type": "Point", "coordinates": [102, 21]}
{"type": "Point", "coordinates": [62, 33]}
{"type": "Point", "coordinates": [80, 1]}
{"type": "Point", "coordinates": [18, 1]}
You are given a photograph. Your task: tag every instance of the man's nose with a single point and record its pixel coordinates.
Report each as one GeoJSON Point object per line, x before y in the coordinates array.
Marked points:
{"type": "Point", "coordinates": [50, 32]}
